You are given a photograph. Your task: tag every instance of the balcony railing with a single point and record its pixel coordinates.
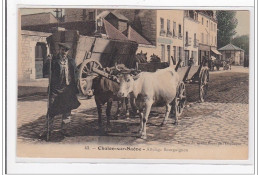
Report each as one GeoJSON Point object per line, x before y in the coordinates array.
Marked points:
{"type": "Point", "coordinates": [196, 43]}
{"type": "Point", "coordinates": [188, 41]}
{"type": "Point", "coordinates": [169, 34]}
{"type": "Point", "coordinates": [162, 32]}
{"type": "Point", "coordinates": [180, 36]}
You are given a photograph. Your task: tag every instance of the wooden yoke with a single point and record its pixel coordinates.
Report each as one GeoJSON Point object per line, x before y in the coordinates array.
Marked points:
{"type": "Point", "coordinates": [105, 74]}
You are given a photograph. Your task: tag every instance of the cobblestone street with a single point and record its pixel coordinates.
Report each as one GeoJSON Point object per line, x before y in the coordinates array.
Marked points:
{"type": "Point", "coordinates": [221, 120]}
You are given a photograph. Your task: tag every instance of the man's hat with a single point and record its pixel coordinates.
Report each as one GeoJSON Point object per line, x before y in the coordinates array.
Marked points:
{"type": "Point", "coordinates": [64, 45]}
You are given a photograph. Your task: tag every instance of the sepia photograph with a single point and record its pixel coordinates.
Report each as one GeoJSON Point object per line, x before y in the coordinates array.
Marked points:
{"type": "Point", "coordinates": [133, 83]}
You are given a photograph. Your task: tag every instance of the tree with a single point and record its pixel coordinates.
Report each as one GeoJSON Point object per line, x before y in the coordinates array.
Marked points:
{"type": "Point", "coordinates": [242, 42]}
{"type": "Point", "coordinates": [227, 24]}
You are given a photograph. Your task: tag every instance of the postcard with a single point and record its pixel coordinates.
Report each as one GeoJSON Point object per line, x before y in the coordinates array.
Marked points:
{"type": "Point", "coordinates": [140, 83]}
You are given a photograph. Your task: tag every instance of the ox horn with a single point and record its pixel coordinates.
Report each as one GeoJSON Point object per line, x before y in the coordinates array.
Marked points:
{"type": "Point", "coordinates": [116, 67]}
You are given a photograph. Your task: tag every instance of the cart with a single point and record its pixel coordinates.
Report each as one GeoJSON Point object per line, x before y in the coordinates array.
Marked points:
{"type": "Point", "coordinates": [94, 54]}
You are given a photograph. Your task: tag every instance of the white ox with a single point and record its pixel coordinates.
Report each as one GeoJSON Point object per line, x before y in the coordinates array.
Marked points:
{"type": "Point", "coordinates": [151, 88]}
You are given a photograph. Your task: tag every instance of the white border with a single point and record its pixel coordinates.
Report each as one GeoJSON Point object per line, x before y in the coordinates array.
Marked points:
{"type": "Point", "coordinates": [73, 168]}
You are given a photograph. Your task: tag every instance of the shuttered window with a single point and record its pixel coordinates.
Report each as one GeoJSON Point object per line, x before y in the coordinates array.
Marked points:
{"type": "Point", "coordinates": [162, 52]}
{"type": "Point", "coordinates": [169, 52]}
{"type": "Point", "coordinates": [174, 29]}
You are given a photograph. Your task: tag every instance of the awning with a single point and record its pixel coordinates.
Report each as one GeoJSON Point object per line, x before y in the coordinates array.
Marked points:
{"type": "Point", "coordinates": [216, 51]}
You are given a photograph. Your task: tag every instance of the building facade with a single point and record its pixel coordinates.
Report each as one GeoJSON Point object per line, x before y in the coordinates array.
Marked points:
{"type": "Point", "coordinates": [169, 34]}
{"type": "Point", "coordinates": [38, 19]}
{"type": "Point", "coordinates": [191, 42]}
{"type": "Point", "coordinates": [207, 35]}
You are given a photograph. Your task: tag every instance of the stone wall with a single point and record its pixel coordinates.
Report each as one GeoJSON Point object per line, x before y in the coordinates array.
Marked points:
{"type": "Point", "coordinates": [26, 56]}
{"type": "Point", "coordinates": [36, 19]}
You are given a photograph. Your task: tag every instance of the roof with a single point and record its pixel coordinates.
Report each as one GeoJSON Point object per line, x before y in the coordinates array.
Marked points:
{"type": "Point", "coordinates": [215, 51]}
{"type": "Point", "coordinates": [42, 13]}
{"type": "Point", "coordinates": [38, 18]}
{"type": "Point", "coordinates": [112, 32]}
{"type": "Point", "coordinates": [135, 36]}
{"type": "Point", "coordinates": [230, 47]}
{"type": "Point", "coordinates": [117, 15]}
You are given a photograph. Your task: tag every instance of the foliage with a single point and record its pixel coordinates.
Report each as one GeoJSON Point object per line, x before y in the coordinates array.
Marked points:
{"type": "Point", "coordinates": [227, 24]}
{"type": "Point", "coordinates": [242, 42]}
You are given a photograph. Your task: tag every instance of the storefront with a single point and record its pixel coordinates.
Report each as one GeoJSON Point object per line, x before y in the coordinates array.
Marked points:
{"type": "Point", "coordinates": [204, 51]}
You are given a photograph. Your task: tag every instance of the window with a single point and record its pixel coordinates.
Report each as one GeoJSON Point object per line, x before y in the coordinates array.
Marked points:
{"type": "Point", "coordinates": [180, 31]}
{"type": "Point", "coordinates": [207, 38]}
{"type": "Point", "coordinates": [194, 56]}
{"type": "Point", "coordinates": [187, 57]}
{"type": "Point", "coordinates": [174, 29]}
{"type": "Point", "coordinates": [169, 53]}
{"type": "Point", "coordinates": [202, 20]}
{"type": "Point", "coordinates": [228, 54]}
{"type": "Point", "coordinates": [187, 39]}
{"type": "Point", "coordinates": [174, 55]}
{"type": "Point", "coordinates": [202, 38]}
{"type": "Point", "coordinates": [162, 24]}
{"type": "Point", "coordinates": [215, 40]}
{"type": "Point", "coordinates": [195, 39]}
{"type": "Point", "coordinates": [180, 53]}
{"type": "Point", "coordinates": [91, 15]}
{"type": "Point", "coordinates": [162, 31]}
{"type": "Point", "coordinates": [169, 33]}
{"type": "Point", "coordinates": [195, 16]}
{"type": "Point", "coordinates": [163, 52]}
{"type": "Point", "coordinates": [168, 25]}
{"type": "Point", "coordinates": [207, 23]}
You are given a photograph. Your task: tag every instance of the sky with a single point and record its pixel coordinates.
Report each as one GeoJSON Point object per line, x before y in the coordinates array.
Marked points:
{"type": "Point", "coordinates": [243, 26]}
{"type": "Point", "coordinates": [32, 11]}
{"type": "Point", "coordinates": [242, 18]}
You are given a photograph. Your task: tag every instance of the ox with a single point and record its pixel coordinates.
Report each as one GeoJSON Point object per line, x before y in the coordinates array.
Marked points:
{"type": "Point", "coordinates": [150, 88]}
{"type": "Point", "coordinates": [105, 92]}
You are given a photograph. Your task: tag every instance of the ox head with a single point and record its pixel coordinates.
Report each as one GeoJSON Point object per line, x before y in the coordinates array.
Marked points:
{"type": "Point", "coordinates": [88, 89]}
{"type": "Point", "coordinates": [126, 80]}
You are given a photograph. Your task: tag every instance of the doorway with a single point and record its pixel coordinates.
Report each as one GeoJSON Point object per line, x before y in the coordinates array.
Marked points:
{"type": "Point", "coordinates": [41, 65]}
{"type": "Point", "coordinates": [187, 55]}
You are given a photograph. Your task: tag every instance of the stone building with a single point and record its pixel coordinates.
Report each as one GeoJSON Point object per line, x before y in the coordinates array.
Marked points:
{"type": "Point", "coordinates": [207, 34]}
{"type": "Point", "coordinates": [177, 34]}
{"type": "Point", "coordinates": [32, 54]}
{"type": "Point", "coordinates": [191, 42]}
{"type": "Point", "coordinates": [162, 28]}
{"type": "Point", "coordinates": [38, 19]}
{"type": "Point", "coordinates": [235, 53]}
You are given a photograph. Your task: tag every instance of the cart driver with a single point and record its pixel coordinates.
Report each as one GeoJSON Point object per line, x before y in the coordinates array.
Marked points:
{"type": "Point", "coordinates": [62, 89]}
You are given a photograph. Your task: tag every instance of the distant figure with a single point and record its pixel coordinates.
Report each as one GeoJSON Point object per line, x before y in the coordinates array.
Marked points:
{"type": "Point", "coordinates": [191, 61]}
{"type": "Point", "coordinates": [62, 89]}
{"type": "Point", "coordinates": [230, 62]}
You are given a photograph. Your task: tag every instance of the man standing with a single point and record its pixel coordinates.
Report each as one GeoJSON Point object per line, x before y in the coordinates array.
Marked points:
{"type": "Point", "coordinates": [62, 89]}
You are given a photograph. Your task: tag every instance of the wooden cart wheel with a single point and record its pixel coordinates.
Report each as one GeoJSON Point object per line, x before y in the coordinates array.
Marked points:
{"type": "Point", "coordinates": [85, 70]}
{"type": "Point", "coordinates": [180, 99]}
{"type": "Point", "coordinates": [203, 85]}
